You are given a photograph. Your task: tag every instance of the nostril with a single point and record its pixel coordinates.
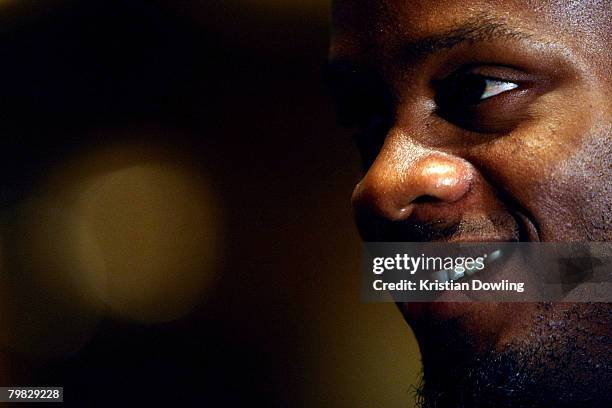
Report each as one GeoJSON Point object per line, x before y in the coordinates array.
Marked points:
{"type": "Point", "coordinates": [423, 199]}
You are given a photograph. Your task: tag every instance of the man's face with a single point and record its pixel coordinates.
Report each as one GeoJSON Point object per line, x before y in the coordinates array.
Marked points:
{"type": "Point", "coordinates": [484, 121]}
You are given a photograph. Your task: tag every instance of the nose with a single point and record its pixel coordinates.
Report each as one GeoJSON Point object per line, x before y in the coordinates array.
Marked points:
{"type": "Point", "coordinates": [396, 183]}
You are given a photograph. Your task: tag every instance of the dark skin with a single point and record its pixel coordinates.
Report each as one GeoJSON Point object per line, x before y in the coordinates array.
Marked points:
{"type": "Point", "coordinates": [486, 121]}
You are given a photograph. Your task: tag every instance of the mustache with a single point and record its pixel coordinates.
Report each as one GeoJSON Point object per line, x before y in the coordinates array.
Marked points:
{"type": "Point", "coordinates": [499, 224]}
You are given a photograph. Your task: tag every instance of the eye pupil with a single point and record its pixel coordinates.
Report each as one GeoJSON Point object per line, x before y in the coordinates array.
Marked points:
{"type": "Point", "coordinates": [467, 90]}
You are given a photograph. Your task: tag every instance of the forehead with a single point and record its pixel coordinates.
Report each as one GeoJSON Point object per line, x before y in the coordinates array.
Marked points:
{"type": "Point", "coordinates": [364, 24]}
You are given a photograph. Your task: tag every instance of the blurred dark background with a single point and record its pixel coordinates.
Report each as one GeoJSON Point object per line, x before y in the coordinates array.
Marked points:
{"type": "Point", "coordinates": [175, 211]}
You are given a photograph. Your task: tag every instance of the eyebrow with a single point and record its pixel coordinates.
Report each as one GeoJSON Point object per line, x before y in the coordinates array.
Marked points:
{"type": "Point", "coordinates": [475, 30]}
{"type": "Point", "coordinates": [481, 28]}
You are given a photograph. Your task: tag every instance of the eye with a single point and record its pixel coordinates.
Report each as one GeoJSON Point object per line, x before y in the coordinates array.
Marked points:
{"type": "Point", "coordinates": [484, 99]}
{"type": "Point", "coordinates": [469, 89]}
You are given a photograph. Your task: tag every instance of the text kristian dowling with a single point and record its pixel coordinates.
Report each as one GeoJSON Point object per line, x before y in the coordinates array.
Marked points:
{"type": "Point", "coordinates": [436, 285]}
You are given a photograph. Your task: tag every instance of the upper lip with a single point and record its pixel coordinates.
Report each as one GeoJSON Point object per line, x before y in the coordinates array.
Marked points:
{"type": "Point", "coordinates": [507, 226]}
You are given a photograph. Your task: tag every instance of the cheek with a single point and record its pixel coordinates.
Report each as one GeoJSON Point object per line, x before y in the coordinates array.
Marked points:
{"type": "Point", "coordinates": [563, 184]}
{"type": "Point", "coordinates": [582, 181]}
{"type": "Point", "coordinates": [515, 167]}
